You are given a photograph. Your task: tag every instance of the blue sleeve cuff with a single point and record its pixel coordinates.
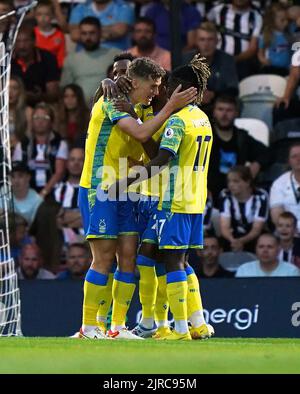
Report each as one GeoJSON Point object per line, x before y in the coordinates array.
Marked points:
{"type": "Point", "coordinates": [115, 119]}
{"type": "Point", "coordinates": [168, 149]}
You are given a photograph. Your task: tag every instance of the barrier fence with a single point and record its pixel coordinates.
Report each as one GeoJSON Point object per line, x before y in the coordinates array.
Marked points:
{"type": "Point", "coordinates": [256, 307]}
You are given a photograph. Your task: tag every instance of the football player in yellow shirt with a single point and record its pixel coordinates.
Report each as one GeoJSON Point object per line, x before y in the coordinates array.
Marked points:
{"type": "Point", "coordinates": [185, 147]}
{"type": "Point", "coordinates": [109, 223]}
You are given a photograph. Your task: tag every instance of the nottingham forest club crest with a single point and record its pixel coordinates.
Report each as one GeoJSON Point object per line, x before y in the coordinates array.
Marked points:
{"type": "Point", "coordinates": [102, 226]}
{"type": "Point", "coordinates": [169, 216]}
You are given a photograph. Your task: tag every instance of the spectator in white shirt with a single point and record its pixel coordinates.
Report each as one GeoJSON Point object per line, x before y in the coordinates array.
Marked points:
{"type": "Point", "coordinates": [31, 262]}
{"type": "Point", "coordinates": [268, 264]}
{"type": "Point", "coordinates": [285, 191]}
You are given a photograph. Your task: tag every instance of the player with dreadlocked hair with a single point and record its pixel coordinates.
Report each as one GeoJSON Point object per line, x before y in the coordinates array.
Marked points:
{"type": "Point", "coordinates": [185, 148]}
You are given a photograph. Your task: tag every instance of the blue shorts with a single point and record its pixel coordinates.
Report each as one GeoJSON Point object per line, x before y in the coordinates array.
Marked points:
{"type": "Point", "coordinates": [147, 206]}
{"type": "Point", "coordinates": [176, 231]}
{"type": "Point", "coordinates": [105, 219]}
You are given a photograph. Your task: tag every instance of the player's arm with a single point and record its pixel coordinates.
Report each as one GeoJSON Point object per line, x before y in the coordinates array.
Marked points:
{"type": "Point", "coordinates": [155, 166]}
{"type": "Point", "coordinates": [254, 233]}
{"type": "Point", "coordinates": [142, 132]}
{"type": "Point", "coordinates": [169, 147]}
{"type": "Point", "coordinates": [150, 146]}
{"type": "Point", "coordinates": [114, 32]}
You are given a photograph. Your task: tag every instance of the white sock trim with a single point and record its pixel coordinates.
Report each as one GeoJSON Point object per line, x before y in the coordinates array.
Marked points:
{"type": "Point", "coordinates": [147, 322]}
{"type": "Point", "coordinates": [87, 328]}
{"type": "Point", "coordinates": [197, 319]}
{"type": "Point", "coordinates": [181, 326]}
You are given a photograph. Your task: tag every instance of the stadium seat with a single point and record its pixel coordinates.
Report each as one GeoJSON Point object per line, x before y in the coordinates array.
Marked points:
{"type": "Point", "coordinates": [232, 260]}
{"type": "Point", "coordinates": [258, 94]}
{"type": "Point", "coordinates": [262, 83]}
{"type": "Point", "coordinates": [255, 127]}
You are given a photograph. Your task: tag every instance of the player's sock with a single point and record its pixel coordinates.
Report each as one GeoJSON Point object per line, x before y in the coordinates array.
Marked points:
{"type": "Point", "coordinates": [147, 289]}
{"type": "Point", "coordinates": [123, 289]}
{"type": "Point", "coordinates": [106, 302]}
{"type": "Point", "coordinates": [94, 293]}
{"type": "Point", "coordinates": [162, 305]}
{"type": "Point", "coordinates": [177, 295]}
{"type": "Point", "coordinates": [194, 301]}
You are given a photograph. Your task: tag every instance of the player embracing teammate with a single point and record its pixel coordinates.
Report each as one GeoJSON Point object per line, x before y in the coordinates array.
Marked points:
{"type": "Point", "coordinates": [114, 140]}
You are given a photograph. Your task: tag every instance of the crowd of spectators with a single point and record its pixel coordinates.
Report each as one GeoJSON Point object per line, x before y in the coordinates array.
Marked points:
{"type": "Point", "coordinates": [65, 49]}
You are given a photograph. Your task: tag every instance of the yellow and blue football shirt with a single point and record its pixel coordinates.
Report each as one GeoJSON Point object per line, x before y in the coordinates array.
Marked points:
{"type": "Point", "coordinates": [188, 135]}
{"type": "Point", "coordinates": [108, 148]}
{"type": "Point", "coordinates": [152, 186]}
{"type": "Point", "coordinates": [107, 155]}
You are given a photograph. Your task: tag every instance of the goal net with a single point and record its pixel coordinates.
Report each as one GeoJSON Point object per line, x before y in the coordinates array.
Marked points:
{"type": "Point", "coordinates": [9, 290]}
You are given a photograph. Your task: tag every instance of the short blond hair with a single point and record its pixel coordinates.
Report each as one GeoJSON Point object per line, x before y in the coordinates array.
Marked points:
{"type": "Point", "coordinates": [209, 27]}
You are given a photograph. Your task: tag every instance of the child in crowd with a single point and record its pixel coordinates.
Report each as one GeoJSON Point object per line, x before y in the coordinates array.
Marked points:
{"type": "Point", "coordinates": [48, 37]}
{"type": "Point", "coordinates": [286, 230]}
{"type": "Point", "coordinates": [274, 47]}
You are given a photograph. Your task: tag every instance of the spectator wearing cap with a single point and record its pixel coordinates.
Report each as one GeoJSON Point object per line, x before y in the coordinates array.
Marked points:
{"type": "Point", "coordinates": [209, 266]}
{"type": "Point", "coordinates": [221, 64]}
{"type": "Point", "coordinates": [31, 264]}
{"type": "Point", "coordinates": [26, 200]}
{"type": "Point", "coordinates": [87, 68]}
{"type": "Point", "coordinates": [267, 263]}
{"type": "Point", "coordinates": [36, 67]}
{"type": "Point", "coordinates": [115, 17]}
{"type": "Point", "coordinates": [285, 191]}
{"type": "Point", "coordinates": [143, 36]}
{"type": "Point", "coordinates": [77, 262]}
{"type": "Point", "coordinates": [190, 19]}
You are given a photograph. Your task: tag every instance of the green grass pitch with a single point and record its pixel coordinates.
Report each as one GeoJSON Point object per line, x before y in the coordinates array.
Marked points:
{"type": "Point", "coordinates": [217, 355]}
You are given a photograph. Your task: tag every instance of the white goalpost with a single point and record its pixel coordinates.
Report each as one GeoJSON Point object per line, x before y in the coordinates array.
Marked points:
{"type": "Point", "coordinates": [10, 303]}
{"type": "Point", "coordinates": [9, 291]}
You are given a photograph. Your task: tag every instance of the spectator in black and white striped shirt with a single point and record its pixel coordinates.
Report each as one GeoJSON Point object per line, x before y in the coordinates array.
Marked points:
{"type": "Point", "coordinates": [243, 210]}
{"type": "Point", "coordinates": [239, 25]}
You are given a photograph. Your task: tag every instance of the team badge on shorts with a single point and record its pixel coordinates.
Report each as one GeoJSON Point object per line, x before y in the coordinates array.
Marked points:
{"type": "Point", "coordinates": [102, 226]}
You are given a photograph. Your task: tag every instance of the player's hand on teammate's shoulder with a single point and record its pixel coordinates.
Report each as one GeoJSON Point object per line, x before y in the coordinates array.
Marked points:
{"type": "Point", "coordinates": [180, 99]}
{"type": "Point", "coordinates": [124, 84]}
{"type": "Point", "coordinates": [110, 89]}
{"type": "Point", "coordinates": [125, 106]}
